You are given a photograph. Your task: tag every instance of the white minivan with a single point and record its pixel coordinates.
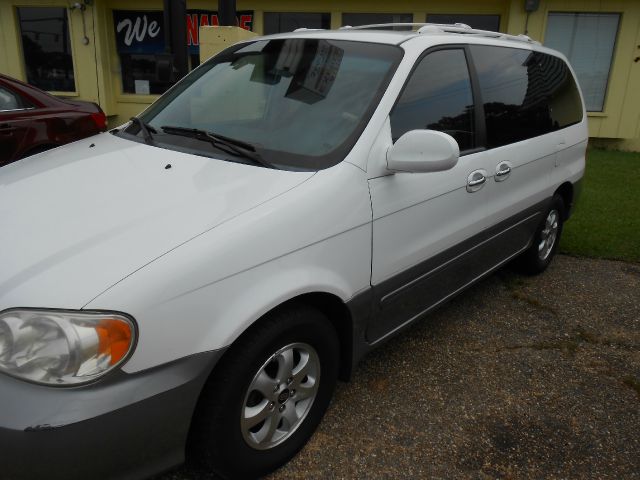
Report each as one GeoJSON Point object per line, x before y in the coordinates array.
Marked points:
{"type": "Point", "coordinates": [204, 274]}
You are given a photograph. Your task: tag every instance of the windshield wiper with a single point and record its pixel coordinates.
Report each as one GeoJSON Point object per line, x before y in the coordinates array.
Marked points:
{"type": "Point", "coordinates": [226, 144]}
{"type": "Point", "coordinates": [145, 129]}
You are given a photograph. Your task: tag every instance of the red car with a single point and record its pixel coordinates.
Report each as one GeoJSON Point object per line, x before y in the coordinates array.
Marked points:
{"type": "Point", "coordinates": [32, 121]}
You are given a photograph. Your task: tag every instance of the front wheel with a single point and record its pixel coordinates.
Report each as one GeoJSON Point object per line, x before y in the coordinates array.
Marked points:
{"type": "Point", "coordinates": [546, 239]}
{"type": "Point", "coordinates": [268, 394]}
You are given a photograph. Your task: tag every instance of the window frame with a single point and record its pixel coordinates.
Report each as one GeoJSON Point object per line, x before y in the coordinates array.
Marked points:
{"type": "Point", "coordinates": [478, 105]}
{"type": "Point", "coordinates": [115, 75]}
{"type": "Point", "coordinates": [115, 59]}
{"type": "Point", "coordinates": [619, 14]}
{"type": "Point", "coordinates": [72, 48]}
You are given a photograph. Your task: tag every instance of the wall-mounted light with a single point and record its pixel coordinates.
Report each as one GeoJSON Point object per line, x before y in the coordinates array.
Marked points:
{"type": "Point", "coordinates": [82, 7]}
{"type": "Point", "coordinates": [530, 6]}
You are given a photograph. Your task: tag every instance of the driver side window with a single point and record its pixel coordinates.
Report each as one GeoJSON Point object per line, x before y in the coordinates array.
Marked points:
{"type": "Point", "coordinates": [438, 96]}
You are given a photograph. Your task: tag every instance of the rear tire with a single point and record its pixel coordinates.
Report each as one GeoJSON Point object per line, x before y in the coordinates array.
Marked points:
{"type": "Point", "coordinates": [268, 394]}
{"type": "Point", "coordinates": [538, 256]}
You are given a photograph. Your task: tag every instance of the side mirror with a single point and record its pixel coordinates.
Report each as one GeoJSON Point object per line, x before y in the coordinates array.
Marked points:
{"type": "Point", "coordinates": [423, 151]}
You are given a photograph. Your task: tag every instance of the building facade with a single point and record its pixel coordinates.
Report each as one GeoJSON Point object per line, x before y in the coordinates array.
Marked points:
{"type": "Point", "coordinates": [110, 51]}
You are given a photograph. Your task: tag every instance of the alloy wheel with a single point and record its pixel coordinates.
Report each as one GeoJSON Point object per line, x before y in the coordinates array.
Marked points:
{"type": "Point", "coordinates": [548, 235]}
{"type": "Point", "coordinates": [280, 396]}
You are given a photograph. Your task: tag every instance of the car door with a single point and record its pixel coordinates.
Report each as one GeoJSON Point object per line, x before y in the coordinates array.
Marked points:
{"type": "Point", "coordinates": [522, 138]}
{"type": "Point", "coordinates": [13, 128]}
{"type": "Point", "coordinates": [428, 227]}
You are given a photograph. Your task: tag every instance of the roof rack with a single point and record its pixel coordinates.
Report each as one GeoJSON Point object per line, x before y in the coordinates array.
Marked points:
{"type": "Point", "coordinates": [439, 28]}
{"type": "Point", "coordinates": [402, 24]}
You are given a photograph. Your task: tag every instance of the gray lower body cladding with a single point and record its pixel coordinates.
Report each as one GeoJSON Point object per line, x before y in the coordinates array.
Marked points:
{"type": "Point", "coordinates": [387, 308]}
{"type": "Point", "coordinates": [125, 426]}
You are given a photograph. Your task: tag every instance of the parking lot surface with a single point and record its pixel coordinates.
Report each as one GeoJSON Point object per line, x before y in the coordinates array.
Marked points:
{"type": "Point", "coordinates": [520, 377]}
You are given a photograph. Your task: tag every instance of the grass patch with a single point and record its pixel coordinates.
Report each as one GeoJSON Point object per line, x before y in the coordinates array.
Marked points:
{"type": "Point", "coordinates": [606, 223]}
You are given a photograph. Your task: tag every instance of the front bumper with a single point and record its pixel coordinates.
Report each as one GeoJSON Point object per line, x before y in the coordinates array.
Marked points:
{"type": "Point", "coordinates": [123, 426]}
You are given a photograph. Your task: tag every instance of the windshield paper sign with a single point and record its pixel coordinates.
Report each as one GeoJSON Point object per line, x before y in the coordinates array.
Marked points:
{"type": "Point", "coordinates": [140, 31]}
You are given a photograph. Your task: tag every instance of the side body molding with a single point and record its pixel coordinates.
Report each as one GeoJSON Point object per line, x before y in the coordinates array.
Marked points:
{"type": "Point", "coordinates": [387, 308]}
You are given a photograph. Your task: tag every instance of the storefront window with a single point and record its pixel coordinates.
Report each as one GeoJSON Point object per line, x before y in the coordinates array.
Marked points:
{"type": "Point", "coordinates": [588, 40]}
{"type": "Point", "coordinates": [275, 22]}
{"type": "Point", "coordinates": [357, 19]}
{"type": "Point", "coordinates": [46, 47]}
{"type": "Point", "coordinates": [140, 42]}
{"type": "Point", "coordinates": [481, 22]}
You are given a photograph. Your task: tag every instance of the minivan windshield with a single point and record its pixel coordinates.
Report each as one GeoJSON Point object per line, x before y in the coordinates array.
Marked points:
{"type": "Point", "coordinates": [290, 103]}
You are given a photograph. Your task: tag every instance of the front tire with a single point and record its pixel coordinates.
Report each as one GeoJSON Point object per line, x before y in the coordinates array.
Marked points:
{"type": "Point", "coordinates": [268, 394]}
{"type": "Point", "coordinates": [538, 256]}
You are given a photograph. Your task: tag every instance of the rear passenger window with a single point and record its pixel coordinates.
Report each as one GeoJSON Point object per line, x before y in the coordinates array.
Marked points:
{"type": "Point", "coordinates": [525, 93]}
{"type": "Point", "coordinates": [561, 91]}
{"type": "Point", "coordinates": [438, 97]}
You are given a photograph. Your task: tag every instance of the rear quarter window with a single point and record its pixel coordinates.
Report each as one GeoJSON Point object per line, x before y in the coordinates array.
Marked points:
{"type": "Point", "coordinates": [10, 100]}
{"type": "Point", "coordinates": [563, 97]}
{"type": "Point", "coordinates": [524, 93]}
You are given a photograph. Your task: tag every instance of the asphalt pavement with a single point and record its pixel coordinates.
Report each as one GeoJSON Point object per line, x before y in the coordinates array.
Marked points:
{"type": "Point", "coordinates": [520, 377]}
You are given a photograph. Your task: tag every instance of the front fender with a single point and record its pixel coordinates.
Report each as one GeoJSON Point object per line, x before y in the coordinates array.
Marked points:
{"type": "Point", "coordinates": [204, 294]}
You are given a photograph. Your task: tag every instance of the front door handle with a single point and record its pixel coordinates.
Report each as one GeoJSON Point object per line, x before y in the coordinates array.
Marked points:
{"type": "Point", "coordinates": [6, 128]}
{"type": "Point", "coordinates": [503, 170]}
{"type": "Point", "coordinates": [476, 180]}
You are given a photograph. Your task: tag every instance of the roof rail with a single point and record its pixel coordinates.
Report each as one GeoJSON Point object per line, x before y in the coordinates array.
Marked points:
{"type": "Point", "coordinates": [467, 30]}
{"type": "Point", "coordinates": [439, 28]}
{"type": "Point", "coordinates": [382, 25]}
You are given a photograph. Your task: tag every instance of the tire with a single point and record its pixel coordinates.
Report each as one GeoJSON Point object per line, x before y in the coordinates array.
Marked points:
{"type": "Point", "coordinates": [538, 256]}
{"type": "Point", "coordinates": [222, 438]}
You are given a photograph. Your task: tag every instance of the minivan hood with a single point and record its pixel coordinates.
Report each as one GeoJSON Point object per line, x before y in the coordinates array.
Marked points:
{"type": "Point", "coordinates": [76, 220]}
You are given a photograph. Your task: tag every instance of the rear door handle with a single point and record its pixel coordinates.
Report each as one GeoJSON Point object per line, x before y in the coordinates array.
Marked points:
{"type": "Point", "coordinates": [6, 128]}
{"type": "Point", "coordinates": [503, 170]}
{"type": "Point", "coordinates": [476, 180]}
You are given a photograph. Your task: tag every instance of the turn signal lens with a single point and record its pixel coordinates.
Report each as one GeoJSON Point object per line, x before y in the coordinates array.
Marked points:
{"type": "Point", "coordinates": [114, 339]}
{"type": "Point", "coordinates": [57, 347]}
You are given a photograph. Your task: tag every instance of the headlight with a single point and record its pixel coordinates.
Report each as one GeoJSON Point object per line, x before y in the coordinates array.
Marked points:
{"type": "Point", "coordinates": [57, 347]}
